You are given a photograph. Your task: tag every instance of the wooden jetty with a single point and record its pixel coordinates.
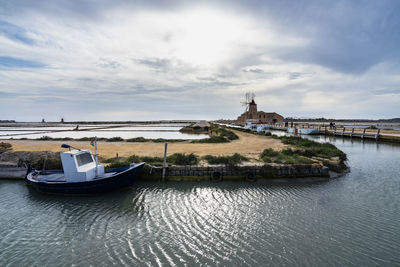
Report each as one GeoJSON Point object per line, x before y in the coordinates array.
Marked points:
{"type": "Point", "coordinates": [352, 132]}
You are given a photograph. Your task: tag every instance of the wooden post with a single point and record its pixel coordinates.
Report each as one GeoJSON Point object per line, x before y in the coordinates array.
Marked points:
{"type": "Point", "coordinates": [165, 162]}
{"type": "Point", "coordinates": [352, 132]}
{"type": "Point", "coordinates": [344, 128]}
{"type": "Point", "coordinates": [377, 135]}
{"type": "Point", "coordinates": [362, 136]}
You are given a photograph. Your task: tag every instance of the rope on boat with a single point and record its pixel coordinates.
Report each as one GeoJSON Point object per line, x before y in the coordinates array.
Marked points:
{"type": "Point", "coordinates": [152, 167]}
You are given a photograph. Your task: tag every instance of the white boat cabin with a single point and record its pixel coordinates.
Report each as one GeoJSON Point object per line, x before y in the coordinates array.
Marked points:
{"type": "Point", "coordinates": [80, 166]}
{"type": "Point", "coordinates": [256, 125]}
{"type": "Point", "coordinates": [251, 124]}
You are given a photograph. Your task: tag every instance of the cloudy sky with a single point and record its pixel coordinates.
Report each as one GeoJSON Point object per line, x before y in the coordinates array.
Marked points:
{"type": "Point", "coordinates": [151, 60]}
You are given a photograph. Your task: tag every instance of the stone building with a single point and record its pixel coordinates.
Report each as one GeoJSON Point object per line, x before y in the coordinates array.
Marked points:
{"type": "Point", "coordinates": [261, 116]}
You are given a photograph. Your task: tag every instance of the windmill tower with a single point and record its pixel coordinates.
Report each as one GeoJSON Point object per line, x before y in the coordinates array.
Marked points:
{"type": "Point", "coordinates": [248, 104]}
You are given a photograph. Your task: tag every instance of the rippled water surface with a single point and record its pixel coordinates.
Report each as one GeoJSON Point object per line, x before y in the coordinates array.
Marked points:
{"type": "Point", "coordinates": [352, 220]}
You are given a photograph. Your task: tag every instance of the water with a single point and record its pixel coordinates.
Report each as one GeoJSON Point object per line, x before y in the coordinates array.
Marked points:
{"type": "Point", "coordinates": [349, 221]}
{"type": "Point", "coordinates": [150, 131]}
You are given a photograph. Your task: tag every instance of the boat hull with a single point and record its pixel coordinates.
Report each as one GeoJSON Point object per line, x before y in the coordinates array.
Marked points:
{"type": "Point", "coordinates": [303, 130]}
{"type": "Point", "coordinates": [123, 179]}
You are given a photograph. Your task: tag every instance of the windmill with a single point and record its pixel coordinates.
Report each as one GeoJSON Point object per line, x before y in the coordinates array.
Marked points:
{"type": "Point", "coordinates": [249, 97]}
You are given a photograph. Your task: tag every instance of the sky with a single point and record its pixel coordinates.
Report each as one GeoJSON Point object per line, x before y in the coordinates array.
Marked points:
{"type": "Point", "coordinates": [163, 60]}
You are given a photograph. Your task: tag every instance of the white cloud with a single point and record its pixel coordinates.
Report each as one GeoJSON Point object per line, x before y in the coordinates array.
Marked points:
{"type": "Point", "coordinates": [195, 58]}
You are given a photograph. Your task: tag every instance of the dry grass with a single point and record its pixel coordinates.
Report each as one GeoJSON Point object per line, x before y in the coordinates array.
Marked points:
{"type": "Point", "coordinates": [248, 145]}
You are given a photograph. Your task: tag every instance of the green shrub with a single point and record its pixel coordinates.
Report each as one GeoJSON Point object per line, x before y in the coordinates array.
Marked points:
{"type": "Point", "coordinates": [269, 152]}
{"type": "Point", "coordinates": [5, 147]}
{"type": "Point", "coordinates": [183, 159]}
{"type": "Point", "coordinates": [244, 130]}
{"type": "Point", "coordinates": [212, 139]}
{"type": "Point", "coordinates": [115, 139]}
{"type": "Point", "coordinates": [110, 160]}
{"type": "Point", "coordinates": [118, 164]}
{"type": "Point", "coordinates": [152, 160]}
{"type": "Point", "coordinates": [227, 160]}
{"type": "Point", "coordinates": [162, 140]}
{"type": "Point", "coordinates": [286, 156]}
{"type": "Point", "coordinates": [49, 163]}
{"type": "Point", "coordinates": [266, 159]}
{"type": "Point", "coordinates": [64, 139]}
{"type": "Point", "coordinates": [311, 148]}
{"type": "Point", "coordinates": [221, 131]}
{"type": "Point", "coordinates": [134, 158]}
{"type": "Point", "coordinates": [137, 139]}
{"type": "Point", "coordinates": [45, 138]}
{"type": "Point", "coordinates": [85, 139]}
{"type": "Point", "coordinates": [288, 152]}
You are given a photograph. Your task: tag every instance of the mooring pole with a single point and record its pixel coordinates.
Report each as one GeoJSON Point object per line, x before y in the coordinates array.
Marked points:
{"type": "Point", "coordinates": [165, 162]}
{"type": "Point", "coordinates": [95, 153]}
{"type": "Point", "coordinates": [377, 135]}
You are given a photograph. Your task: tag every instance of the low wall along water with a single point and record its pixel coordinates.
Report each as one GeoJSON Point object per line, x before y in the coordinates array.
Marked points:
{"type": "Point", "coordinates": [213, 172]}
{"type": "Point", "coordinates": [223, 172]}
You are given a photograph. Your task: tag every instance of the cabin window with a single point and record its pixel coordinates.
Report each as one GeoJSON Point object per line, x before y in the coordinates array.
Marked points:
{"type": "Point", "coordinates": [83, 159]}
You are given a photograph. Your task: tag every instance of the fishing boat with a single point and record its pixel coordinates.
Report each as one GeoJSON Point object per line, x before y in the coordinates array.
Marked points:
{"type": "Point", "coordinates": [82, 174]}
{"type": "Point", "coordinates": [262, 128]}
{"type": "Point", "coordinates": [303, 130]}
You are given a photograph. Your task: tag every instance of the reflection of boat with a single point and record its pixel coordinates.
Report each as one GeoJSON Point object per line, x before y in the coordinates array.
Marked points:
{"type": "Point", "coordinates": [82, 175]}
{"type": "Point", "coordinates": [303, 130]}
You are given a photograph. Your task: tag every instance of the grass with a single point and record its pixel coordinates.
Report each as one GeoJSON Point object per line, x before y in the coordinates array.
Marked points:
{"type": "Point", "coordinates": [162, 140]}
{"type": "Point", "coordinates": [309, 148]}
{"type": "Point", "coordinates": [183, 159]}
{"type": "Point", "coordinates": [227, 160]}
{"type": "Point", "coordinates": [301, 152]}
{"type": "Point", "coordinates": [5, 146]}
{"type": "Point", "coordinates": [252, 132]}
{"type": "Point", "coordinates": [137, 139]}
{"type": "Point", "coordinates": [224, 132]}
{"type": "Point", "coordinates": [174, 159]}
{"type": "Point", "coordinates": [158, 140]}
{"type": "Point", "coordinates": [115, 139]}
{"type": "Point", "coordinates": [286, 156]}
{"type": "Point", "coordinates": [212, 139]}
{"type": "Point", "coordinates": [223, 135]}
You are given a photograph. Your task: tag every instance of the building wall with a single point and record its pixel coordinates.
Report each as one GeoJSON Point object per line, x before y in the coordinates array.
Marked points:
{"type": "Point", "coordinates": [264, 117]}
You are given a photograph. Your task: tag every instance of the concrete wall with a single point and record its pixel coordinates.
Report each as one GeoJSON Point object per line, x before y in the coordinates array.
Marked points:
{"type": "Point", "coordinates": [213, 172]}
{"type": "Point", "coordinates": [12, 173]}
{"type": "Point", "coordinates": [268, 171]}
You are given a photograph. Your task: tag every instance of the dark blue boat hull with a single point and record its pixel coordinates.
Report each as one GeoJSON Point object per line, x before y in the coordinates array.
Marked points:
{"type": "Point", "coordinates": [123, 179]}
